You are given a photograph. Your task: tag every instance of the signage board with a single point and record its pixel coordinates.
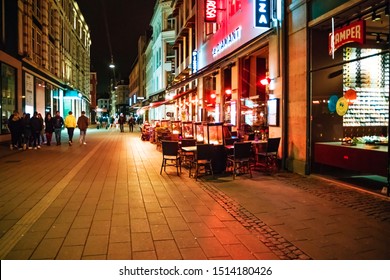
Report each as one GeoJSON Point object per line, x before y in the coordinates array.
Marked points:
{"type": "Point", "coordinates": [210, 11]}
{"type": "Point", "coordinates": [262, 13]}
{"type": "Point", "coordinates": [354, 32]}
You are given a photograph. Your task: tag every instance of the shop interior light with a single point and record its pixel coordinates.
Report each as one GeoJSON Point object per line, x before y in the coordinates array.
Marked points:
{"type": "Point", "coordinates": [375, 16]}
{"type": "Point", "coordinates": [213, 95]}
{"type": "Point", "coordinates": [228, 91]}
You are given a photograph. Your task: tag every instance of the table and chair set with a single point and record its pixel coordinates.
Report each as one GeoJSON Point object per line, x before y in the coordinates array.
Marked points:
{"type": "Point", "coordinates": [238, 157]}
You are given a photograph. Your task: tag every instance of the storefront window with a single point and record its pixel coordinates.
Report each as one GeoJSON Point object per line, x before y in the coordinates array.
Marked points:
{"type": "Point", "coordinates": [8, 95]}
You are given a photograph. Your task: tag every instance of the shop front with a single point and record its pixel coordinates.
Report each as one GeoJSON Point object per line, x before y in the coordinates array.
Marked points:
{"type": "Point", "coordinates": [349, 84]}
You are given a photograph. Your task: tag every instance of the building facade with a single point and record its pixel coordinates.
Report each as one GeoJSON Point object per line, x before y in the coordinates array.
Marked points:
{"type": "Point", "coordinates": [159, 55]}
{"type": "Point", "coordinates": [45, 58]}
{"type": "Point", "coordinates": [338, 87]}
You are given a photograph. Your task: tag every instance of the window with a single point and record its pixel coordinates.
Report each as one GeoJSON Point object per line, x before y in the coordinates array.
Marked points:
{"type": "Point", "coordinates": [52, 58]}
{"type": "Point", "coordinates": [170, 23]}
{"type": "Point", "coordinates": [37, 9]}
{"type": "Point", "coordinates": [210, 28]}
{"type": "Point", "coordinates": [8, 95]}
{"type": "Point", "coordinates": [37, 45]}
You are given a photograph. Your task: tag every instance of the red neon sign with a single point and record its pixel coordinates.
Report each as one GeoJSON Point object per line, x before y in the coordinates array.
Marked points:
{"type": "Point", "coordinates": [210, 11]}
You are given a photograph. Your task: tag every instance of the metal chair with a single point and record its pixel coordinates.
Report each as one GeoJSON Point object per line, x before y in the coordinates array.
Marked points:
{"type": "Point", "coordinates": [171, 155]}
{"type": "Point", "coordinates": [203, 158]}
{"type": "Point", "coordinates": [269, 158]}
{"type": "Point", "coordinates": [240, 160]}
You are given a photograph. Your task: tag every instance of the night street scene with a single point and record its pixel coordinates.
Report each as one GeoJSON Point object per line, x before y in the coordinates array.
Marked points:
{"type": "Point", "coordinates": [195, 130]}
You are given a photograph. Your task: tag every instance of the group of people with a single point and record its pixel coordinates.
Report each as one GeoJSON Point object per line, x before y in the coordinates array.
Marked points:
{"type": "Point", "coordinates": [122, 121]}
{"type": "Point", "coordinates": [29, 132]}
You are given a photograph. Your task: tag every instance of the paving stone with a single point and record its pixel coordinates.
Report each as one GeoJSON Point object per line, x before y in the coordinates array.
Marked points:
{"type": "Point", "coordinates": [167, 250]}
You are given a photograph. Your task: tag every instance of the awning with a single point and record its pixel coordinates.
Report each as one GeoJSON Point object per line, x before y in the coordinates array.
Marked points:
{"type": "Point", "coordinates": [181, 94]}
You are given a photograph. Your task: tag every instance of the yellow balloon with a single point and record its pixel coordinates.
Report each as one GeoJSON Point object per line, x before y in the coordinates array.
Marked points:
{"type": "Point", "coordinates": [342, 106]}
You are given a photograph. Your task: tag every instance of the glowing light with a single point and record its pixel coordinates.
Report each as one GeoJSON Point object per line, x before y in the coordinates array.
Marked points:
{"type": "Point", "coordinates": [265, 81]}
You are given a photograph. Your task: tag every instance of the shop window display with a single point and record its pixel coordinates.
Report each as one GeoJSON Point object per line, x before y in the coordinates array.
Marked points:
{"type": "Point", "coordinates": [8, 95]}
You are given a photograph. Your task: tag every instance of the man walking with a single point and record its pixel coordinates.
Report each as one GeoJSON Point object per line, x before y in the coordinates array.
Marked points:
{"type": "Point", "coordinates": [70, 124]}
{"type": "Point", "coordinates": [122, 121]}
{"type": "Point", "coordinates": [58, 122]}
{"type": "Point", "coordinates": [131, 123]}
{"type": "Point", "coordinates": [82, 124]}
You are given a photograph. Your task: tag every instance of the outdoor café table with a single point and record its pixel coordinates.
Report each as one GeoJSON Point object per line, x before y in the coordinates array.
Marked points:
{"type": "Point", "coordinates": [189, 149]}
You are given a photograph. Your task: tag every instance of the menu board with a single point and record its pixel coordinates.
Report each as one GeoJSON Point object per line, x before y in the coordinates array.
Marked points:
{"type": "Point", "coordinates": [369, 77]}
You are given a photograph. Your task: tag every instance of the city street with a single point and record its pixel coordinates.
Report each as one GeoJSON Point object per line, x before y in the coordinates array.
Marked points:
{"type": "Point", "coordinates": [107, 200]}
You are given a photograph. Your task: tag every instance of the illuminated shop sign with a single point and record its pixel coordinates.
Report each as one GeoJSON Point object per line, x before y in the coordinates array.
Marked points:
{"type": "Point", "coordinates": [210, 11]}
{"type": "Point", "coordinates": [262, 13]}
{"type": "Point", "coordinates": [194, 61]}
{"type": "Point", "coordinates": [354, 32]}
{"type": "Point", "coordinates": [227, 41]}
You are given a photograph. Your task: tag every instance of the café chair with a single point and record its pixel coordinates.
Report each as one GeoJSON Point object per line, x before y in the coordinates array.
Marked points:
{"type": "Point", "coordinates": [202, 159]}
{"type": "Point", "coordinates": [171, 155]}
{"type": "Point", "coordinates": [241, 159]}
{"type": "Point", "coordinates": [269, 158]}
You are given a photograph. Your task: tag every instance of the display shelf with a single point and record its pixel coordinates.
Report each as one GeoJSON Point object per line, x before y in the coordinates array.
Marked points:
{"type": "Point", "coordinates": [371, 83]}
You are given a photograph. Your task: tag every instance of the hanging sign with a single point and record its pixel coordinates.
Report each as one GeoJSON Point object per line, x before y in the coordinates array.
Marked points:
{"type": "Point", "coordinates": [262, 13]}
{"type": "Point", "coordinates": [354, 32]}
{"type": "Point", "coordinates": [210, 11]}
{"type": "Point", "coordinates": [194, 61]}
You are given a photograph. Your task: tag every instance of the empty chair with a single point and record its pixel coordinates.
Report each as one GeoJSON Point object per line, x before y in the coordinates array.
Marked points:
{"type": "Point", "coordinates": [203, 159]}
{"type": "Point", "coordinates": [171, 155]}
{"type": "Point", "coordinates": [240, 160]}
{"type": "Point", "coordinates": [269, 158]}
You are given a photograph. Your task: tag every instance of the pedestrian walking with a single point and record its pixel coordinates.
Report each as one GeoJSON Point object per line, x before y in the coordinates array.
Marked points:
{"type": "Point", "coordinates": [82, 123]}
{"type": "Point", "coordinates": [70, 124]}
{"type": "Point", "coordinates": [42, 134]}
{"type": "Point", "coordinates": [58, 122]}
{"type": "Point", "coordinates": [27, 131]}
{"type": "Point", "coordinates": [131, 124]}
{"type": "Point", "coordinates": [49, 128]}
{"type": "Point", "coordinates": [15, 126]}
{"type": "Point", "coordinates": [121, 122]}
{"type": "Point", "coordinates": [36, 128]}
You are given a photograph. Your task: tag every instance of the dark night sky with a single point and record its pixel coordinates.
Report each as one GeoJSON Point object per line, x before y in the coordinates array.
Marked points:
{"type": "Point", "coordinates": [126, 21]}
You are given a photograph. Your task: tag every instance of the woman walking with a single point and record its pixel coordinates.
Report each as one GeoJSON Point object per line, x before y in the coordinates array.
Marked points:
{"type": "Point", "coordinates": [49, 128]}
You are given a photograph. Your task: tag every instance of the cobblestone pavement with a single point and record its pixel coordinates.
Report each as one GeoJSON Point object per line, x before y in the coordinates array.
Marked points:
{"type": "Point", "coordinates": [87, 209]}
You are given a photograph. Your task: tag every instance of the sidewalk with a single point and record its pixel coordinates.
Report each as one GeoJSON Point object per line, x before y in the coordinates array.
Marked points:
{"type": "Point", "coordinates": [107, 200]}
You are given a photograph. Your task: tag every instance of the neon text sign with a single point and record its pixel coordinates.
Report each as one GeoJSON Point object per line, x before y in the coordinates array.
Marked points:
{"type": "Point", "coordinates": [262, 13]}
{"type": "Point", "coordinates": [227, 41]}
{"type": "Point", "coordinates": [210, 11]}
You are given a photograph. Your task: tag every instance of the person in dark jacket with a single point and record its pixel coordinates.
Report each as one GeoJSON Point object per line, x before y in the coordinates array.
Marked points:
{"type": "Point", "coordinates": [27, 132]}
{"type": "Point", "coordinates": [15, 126]}
{"type": "Point", "coordinates": [36, 128]}
{"type": "Point", "coordinates": [58, 122]}
{"type": "Point", "coordinates": [82, 124]}
{"type": "Point", "coordinates": [49, 128]}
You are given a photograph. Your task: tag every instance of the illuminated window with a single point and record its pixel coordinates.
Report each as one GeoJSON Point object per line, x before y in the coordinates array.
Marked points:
{"type": "Point", "coordinates": [235, 6]}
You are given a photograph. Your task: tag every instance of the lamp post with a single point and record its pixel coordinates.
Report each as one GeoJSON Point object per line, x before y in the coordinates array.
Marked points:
{"type": "Point", "coordinates": [113, 87]}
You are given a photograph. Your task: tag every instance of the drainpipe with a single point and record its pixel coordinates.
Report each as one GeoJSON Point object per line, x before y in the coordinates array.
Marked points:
{"type": "Point", "coordinates": [285, 84]}
{"type": "Point", "coordinates": [308, 97]}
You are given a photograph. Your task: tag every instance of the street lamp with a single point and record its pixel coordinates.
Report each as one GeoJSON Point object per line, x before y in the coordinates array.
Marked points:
{"type": "Point", "coordinates": [112, 65]}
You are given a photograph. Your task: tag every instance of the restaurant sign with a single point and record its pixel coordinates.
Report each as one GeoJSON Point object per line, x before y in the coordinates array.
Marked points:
{"type": "Point", "coordinates": [262, 13]}
{"type": "Point", "coordinates": [354, 32]}
{"type": "Point", "coordinates": [227, 41]}
{"type": "Point", "coordinates": [210, 11]}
